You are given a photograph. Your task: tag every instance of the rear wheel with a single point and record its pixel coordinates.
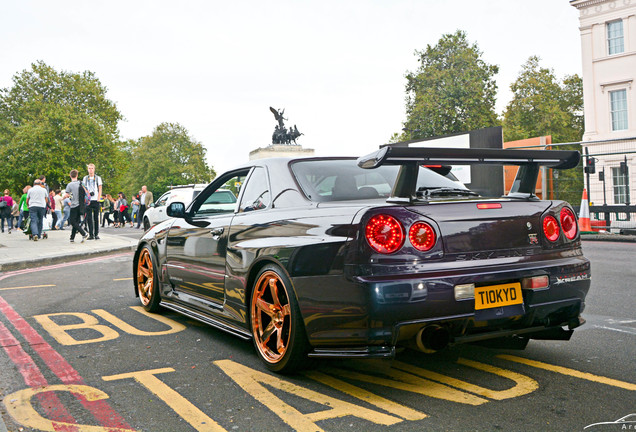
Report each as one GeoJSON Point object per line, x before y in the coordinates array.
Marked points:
{"type": "Point", "coordinates": [146, 224]}
{"type": "Point", "coordinates": [277, 328]}
{"type": "Point", "coordinates": [147, 282]}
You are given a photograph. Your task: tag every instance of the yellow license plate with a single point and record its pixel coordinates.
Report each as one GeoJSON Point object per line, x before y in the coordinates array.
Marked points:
{"type": "Point", "coordinates": [498, 295]}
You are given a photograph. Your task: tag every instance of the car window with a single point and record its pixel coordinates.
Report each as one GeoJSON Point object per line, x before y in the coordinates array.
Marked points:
{"type": "Point", "coordinates": [343, 179]}
{"type": "Point", "coordinates": [222, 199]}
{"type": "Point", "coordinates": [162, 200]}
{"type": "Point", "coordinates": [256, 195]}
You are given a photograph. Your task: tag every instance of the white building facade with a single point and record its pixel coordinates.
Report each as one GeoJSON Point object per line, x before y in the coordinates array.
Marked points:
{"type": "Point", "coordinates": [608, 43]}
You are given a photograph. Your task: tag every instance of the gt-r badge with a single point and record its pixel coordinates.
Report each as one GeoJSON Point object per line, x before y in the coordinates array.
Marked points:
{"type": "Point", "coordinates": [533, 239]}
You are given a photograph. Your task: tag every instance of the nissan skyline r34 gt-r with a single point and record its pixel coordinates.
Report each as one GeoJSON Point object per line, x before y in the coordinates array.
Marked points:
{"type": "Point", "coordinates": [351, 258]}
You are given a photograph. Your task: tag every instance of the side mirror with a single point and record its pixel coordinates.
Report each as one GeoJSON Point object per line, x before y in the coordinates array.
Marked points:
{"type": "Point", "coordinates": [151, 205]}
{"type": "Point", "coordinates": [176, 210]}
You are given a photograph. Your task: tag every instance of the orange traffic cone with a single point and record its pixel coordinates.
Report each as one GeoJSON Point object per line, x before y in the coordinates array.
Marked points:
{"type": "Point", "coordinates": [584, 214]}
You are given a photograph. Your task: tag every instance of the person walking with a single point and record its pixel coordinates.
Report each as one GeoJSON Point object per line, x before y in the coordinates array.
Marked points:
{"type": "Point", "coordinates": [37, 200]}
{"type": "Point", "coordinates": [145, 200]}
{"type": "Point", "coordinates": [72, 191]}
{"type": "Point", "coordinates": [93, 183]}
{"type": "Point", "coordinates": [15, 213]}
{"type": "Point", "coordinates": [66, 205]}
{"type": "Point", "coordinates": [106, 207]}
{"type": "Point", "coordinates": [134, 216]}
{"type": "Point", "coordinates": [52, 209]}
{"type": "Point", "coordinates": [59, 207]}
{"type": "Point", "coordinates": [123, 210]}
{"type": "Point", "coordinates": [6, 204]}
{"type": "Point", "coordinates": [24, 208]}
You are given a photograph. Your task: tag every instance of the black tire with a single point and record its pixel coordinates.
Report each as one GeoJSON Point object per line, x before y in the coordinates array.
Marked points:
{"type": "Point", "coordinates": [147, 280]}
{"type": "Point", "coordinates": [278, 331]}
{"type": "Point", "coordinates": [146, 224]}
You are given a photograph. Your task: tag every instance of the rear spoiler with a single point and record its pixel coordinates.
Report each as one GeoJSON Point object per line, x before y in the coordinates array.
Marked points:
{"type": "Point", "coordinates": [410, 158]}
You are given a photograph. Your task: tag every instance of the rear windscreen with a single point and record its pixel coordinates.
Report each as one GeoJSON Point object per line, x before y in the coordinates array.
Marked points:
{"type": "Point", "coordinates": [344, 180]}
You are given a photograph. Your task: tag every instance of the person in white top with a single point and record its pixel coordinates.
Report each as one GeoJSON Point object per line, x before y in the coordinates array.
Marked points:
{"type": "Point", "coordinates": [93, 183]}
{"type": "Point", "coordinates": [37, 199]}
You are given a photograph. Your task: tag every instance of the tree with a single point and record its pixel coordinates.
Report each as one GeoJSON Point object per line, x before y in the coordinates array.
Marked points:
{"type": "Point", "coordinates": [453, 90]}
{"type": "Point", "coordinates": [167, 157]}
{"type": "Point", "coordinates": [541, 105]}
{"type": "Point", "coordinates": [52, 122]}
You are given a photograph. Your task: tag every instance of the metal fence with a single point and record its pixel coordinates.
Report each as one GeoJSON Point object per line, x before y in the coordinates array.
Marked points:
{"type": "Point", "coordinates": [606, 171]}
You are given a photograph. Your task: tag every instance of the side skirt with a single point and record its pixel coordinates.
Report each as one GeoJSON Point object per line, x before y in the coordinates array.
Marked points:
{"type": "Point", "coordinates": [234, 330]}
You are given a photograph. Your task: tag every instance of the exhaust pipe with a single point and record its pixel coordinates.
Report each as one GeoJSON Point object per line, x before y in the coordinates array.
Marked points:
{"type": "Point", "coordinates": [432, 338]}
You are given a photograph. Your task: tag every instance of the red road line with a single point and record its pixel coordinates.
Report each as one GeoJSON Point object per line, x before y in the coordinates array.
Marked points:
{"type": "Point", "coordinates": [33, 377]}
{"type": "Point", "coordinates": [62, 265]}
{"type": "Point", "coordinates": [60, 367]}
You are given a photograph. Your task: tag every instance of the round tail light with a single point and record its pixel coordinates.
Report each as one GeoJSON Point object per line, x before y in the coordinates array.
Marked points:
{"type": "Point", "coordinates": [551, 228]}
{"type": "Point", "coordinates": [384, 234]}
{"type": "Point", "coordinates": [422, 236]}
{"type": "Point", "coordinates": [568, 223]}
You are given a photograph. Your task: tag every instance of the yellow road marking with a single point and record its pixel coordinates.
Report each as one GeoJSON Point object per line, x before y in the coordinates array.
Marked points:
{"type": "Point", "coordinates": [253, 382]}
{"type": "Point", "coordinates": [20, 408]}
{"type": "Point", "coordinates": [523, 384]}
{"type": "Point", "coordinates": [174, 400]}
{"type": "Point", "coordinates": [401, 380]}
{"type": "Point", "coordinates": [373, 399]}
{"type": "Point", "coordinates": [175, 327]}
{"type": "Point", "coordinates": [122, 279]}
{"type": "Point", "coordinates": [86, 321]}
{"type": "Point", "coordinates": [23, 287]}
{"type": "Point", "coordinates": [571, 372]}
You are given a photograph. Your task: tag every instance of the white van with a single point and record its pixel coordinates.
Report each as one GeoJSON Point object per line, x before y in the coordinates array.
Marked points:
{"type": "Point", "coordinates": [157, 211]}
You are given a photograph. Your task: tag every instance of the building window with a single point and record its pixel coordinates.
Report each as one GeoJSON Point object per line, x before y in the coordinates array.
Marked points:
{"type": "Point", "coordinates": [621, 189]}
{"type": "Point", "coordinates": [615, 44]}
{"type": "Point", "coordinates": [618, 109]}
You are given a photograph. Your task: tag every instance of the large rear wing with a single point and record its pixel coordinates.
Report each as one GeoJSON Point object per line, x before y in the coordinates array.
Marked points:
{"type": "Point", "coordinates": [410, 158]}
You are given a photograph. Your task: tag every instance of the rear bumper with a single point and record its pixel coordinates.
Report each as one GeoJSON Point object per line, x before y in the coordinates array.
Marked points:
{"type": "Point", "coordinates": [378, 313]}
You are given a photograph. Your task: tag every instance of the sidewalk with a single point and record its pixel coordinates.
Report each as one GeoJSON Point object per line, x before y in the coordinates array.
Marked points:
{"type": "Point", "coordinates": [17, 252]}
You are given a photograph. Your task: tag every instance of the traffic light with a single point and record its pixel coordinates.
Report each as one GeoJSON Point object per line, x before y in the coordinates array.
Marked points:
{"type": "Point", "coordinates": [590, 165]}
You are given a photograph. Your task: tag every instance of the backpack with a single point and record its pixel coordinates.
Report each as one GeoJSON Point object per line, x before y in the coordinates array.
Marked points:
{"type": "Point", "coordinates": [3, 204]}
{"type": "Point", "coordinates": [84, 197]}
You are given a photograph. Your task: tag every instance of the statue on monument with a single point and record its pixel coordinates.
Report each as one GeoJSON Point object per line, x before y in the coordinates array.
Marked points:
{"type": "Point", "coordinates": [281, 134]}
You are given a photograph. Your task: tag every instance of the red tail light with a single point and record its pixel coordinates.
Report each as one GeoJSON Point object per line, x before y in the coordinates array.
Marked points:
{"type": "Point", "coordinates": [422, 236]}
{"type": "Point", "coordinates": [551, 228]}
{"type": "Point", "coordinates": [568, 223]}
{"type": "Point", "coordinates": [384, 234]}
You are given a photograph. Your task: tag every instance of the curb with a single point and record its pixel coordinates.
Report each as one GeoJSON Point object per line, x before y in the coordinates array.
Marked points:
{"type": "Point", "coordinates": [609, 238]}
{"type": "Point", "coordinates": [37, 262]}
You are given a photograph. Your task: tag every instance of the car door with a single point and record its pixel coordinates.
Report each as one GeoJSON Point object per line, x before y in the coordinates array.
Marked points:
{"type": "Point", "coordinates": [158, 212]}
{"type": "Point", "coordinates": [196, 245]}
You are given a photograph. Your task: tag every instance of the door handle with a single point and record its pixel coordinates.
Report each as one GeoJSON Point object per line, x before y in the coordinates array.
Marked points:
{"type": "Point", "coordinates": [216, 232]}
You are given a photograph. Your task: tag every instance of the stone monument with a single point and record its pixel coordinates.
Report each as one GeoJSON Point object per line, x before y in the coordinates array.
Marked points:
{"type": "Point", "coordinates": [283, 141]}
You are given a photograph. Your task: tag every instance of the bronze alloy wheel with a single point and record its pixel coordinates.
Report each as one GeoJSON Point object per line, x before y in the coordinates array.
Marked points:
{"type": "Point", "coordinates": [271, 317]}
{"type": "Point", "coordinates": [145, 277]}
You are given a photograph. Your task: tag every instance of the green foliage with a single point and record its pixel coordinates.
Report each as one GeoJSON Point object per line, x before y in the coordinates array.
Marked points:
{"type": "Point", "coordinates": [453, 90]}
{"type": "Point", "coordinates": [52, 122]}
{"type": "Point", "coordinates": [167, 157]}
{"type": "Point", "coordinates": [543, 106]}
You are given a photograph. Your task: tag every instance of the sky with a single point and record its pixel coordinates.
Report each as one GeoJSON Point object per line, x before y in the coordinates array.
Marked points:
{"type": "Point", "coordinates": [337, 67]}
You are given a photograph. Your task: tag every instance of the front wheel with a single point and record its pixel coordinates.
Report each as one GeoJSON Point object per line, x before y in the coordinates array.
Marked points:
{"type": "Point", "coordinates": [277, 328]}
{"type": "Point", "coordinates": [147, 282]}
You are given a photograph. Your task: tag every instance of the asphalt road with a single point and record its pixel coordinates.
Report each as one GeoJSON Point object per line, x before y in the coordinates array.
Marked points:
{"type": "Point", "coordinates": [76, 348]}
